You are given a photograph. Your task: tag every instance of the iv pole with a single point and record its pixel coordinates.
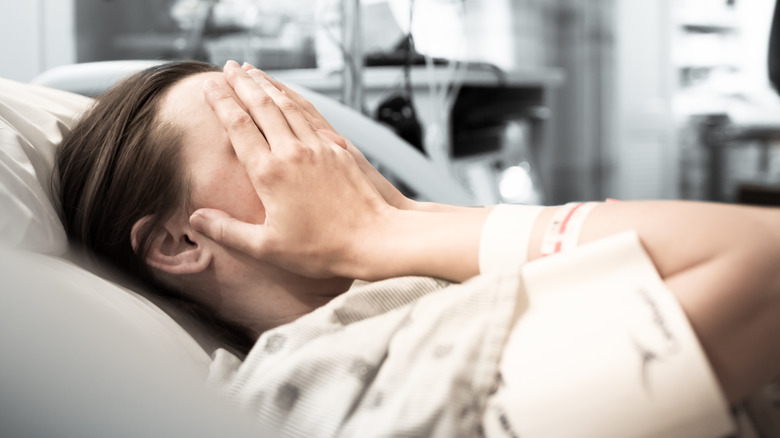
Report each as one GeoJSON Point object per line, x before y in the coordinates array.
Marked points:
{"type": "Point", "coordinates": [352, 38]}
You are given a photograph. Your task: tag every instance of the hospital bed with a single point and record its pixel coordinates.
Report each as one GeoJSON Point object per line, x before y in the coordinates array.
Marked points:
{"type": "Point", "coordinates": [84, 352]}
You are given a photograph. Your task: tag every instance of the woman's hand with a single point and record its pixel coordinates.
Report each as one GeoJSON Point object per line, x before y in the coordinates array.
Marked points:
{"type": "Point", "coordinates": [320, 207]}
{"type": "Point", "coordinates": [324, 216]}
{"type": "Point", "coordinates": [388, 191]}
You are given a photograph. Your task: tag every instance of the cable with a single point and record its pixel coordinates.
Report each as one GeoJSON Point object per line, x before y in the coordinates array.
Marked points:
{"type": "Point", "coordinates": [348, 59]}
{"type": "Point", "coordinates": [409, 52]}
{"type": "Point", "coordinates": [460, 67]}
{"type": "Point", "coordinates": [444, 89]}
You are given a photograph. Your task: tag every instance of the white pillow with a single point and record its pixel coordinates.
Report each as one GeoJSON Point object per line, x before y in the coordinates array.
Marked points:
{"type": "Point", "coordinates": [33, 120]}
{"type": "Point", "coordinates": [91, 297]}
{"type": "Point", "coordinates": [80, 359]}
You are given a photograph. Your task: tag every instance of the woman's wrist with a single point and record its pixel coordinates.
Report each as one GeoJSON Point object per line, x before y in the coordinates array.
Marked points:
{"type": "Point", "coordinates": [443, 244]}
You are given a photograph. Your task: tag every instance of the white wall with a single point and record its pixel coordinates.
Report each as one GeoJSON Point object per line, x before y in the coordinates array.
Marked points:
{"type": "Point", "coordinates": [35, 35]}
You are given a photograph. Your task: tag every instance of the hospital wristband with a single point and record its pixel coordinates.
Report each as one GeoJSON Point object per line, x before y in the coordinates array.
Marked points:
{"type": "Point", "coordinates": [505, 236]}
{"type": "Point", "coordinates": [563, 230]}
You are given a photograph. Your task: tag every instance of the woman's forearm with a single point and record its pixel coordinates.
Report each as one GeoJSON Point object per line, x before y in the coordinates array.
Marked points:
{"type": "Point", "coordinates": [677, 235]}
{"type": "Point", "coordinates": [722, 263]}
{"type": "Point", "coordinates": [442, 242]}
{"type": "Point", "coordinates": [439, 240]}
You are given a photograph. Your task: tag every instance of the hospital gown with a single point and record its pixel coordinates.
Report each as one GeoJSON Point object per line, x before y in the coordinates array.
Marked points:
{"type": "Point", "coordinates": [412, 356]}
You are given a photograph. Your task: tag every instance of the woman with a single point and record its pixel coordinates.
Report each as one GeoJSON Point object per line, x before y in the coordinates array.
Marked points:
{"type": "Point", "coordinates": [229, 187]}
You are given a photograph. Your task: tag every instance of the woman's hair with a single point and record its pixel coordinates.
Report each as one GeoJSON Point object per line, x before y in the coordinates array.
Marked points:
{"type": "Point", "coordinates": [120, 163]}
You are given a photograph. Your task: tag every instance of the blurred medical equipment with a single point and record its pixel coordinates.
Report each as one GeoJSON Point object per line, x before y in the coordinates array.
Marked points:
{"type": "Point", "coordinates": [114, 381]}
{"type": "Point", "coordinates": [494, 158]}
{"type": "Point", "coordinates": [256, 31]}
{"type": "Point", "coordinates": [730, 114]}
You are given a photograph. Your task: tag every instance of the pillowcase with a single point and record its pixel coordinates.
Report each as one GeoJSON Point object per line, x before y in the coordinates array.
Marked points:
{"type": "Point", "coordinates": [33, 120]}
{"type": "Point", "coordinates": [81, 358]}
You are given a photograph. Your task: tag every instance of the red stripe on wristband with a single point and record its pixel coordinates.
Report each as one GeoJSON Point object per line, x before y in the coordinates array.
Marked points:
{"type": "Point", "coordinates": [562, 229]}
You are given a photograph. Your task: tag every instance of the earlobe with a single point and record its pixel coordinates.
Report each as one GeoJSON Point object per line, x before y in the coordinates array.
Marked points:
{"type": "Point", "coordinates": [173, 248]}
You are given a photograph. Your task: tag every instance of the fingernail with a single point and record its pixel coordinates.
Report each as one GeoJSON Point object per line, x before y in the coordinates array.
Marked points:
{"type": "Point", "coordinates": [209, 84]}
{"type": "Point", "coordinates": [232, 64]}
{"type": "Point", "coordinates": [245, 65]}
{"type": "Point", "coordinates": [198, 221]}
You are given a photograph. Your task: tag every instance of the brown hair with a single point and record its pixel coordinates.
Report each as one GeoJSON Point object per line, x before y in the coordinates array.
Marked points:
{"type": "Point", "coordinates": [121, 162]}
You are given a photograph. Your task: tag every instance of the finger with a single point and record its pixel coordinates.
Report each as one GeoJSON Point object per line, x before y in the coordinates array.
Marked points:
{"type": "Point", "coordinates": [295, 116]}
{"type": "Point", "coordinates": [228, 231]}
{"type": "Point", "coordinates": [317, 124]}
{"type": "Point", "coordinates": [313, 116]}
{"type": "Point", "coordinates": [247, 141]}
{"type": "Point", "coordinates": [264, 110]}
{"type": "Point", "coordinates": [318, 120]}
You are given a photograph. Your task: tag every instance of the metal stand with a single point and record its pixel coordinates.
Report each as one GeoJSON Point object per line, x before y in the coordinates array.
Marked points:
{"type": "Point", "coordinates": [352, 33]}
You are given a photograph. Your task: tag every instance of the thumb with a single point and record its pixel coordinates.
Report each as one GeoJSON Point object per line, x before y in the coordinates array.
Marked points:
{"type": "Point", "coordinates": [227, 230]}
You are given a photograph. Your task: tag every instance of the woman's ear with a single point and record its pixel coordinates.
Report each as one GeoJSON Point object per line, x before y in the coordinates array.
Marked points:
{"type": "Point", "coordinates": [174, 248]}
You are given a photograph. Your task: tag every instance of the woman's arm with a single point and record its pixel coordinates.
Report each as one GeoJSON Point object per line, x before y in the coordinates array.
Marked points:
{"type": "Point", "coordinates": [324, 217]}
{"type": "Point", "coordinates": [722, 262]}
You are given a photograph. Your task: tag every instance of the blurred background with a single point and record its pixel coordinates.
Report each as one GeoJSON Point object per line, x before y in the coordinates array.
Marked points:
{"type": "Point", "coordinates": [525, 101]}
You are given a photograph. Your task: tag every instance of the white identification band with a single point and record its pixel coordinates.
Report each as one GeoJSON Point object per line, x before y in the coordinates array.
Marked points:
{"type": "Point", "coordinates": [604, 350]}
{"type": "Point", "coordinates": [571, 234]}
{"type": "Point", "coordinates": [505, 236]}
{"type": "Point", "coordinates": [563, 231]}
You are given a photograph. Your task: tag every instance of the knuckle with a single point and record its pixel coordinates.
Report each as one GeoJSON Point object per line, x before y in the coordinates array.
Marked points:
{"type": "Point", "coordinates": [268, 171]}
{"type": "Point", "coordinates": [239, 120]}
{"type": "Point", "coordinates": [300, 154]}
{"type": "Point", "coordinates": [271, 161]}
{"type": "Point", "coordinates": [287, 105]}
{"type": "Point", "coordinates": [264, 100]}
{"type": "Point", "coordinates": [220, 232]}
{"type": "Point", "coordinates": [254, 163]}
{"type": "Point", "coordinates": [267, 179]}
